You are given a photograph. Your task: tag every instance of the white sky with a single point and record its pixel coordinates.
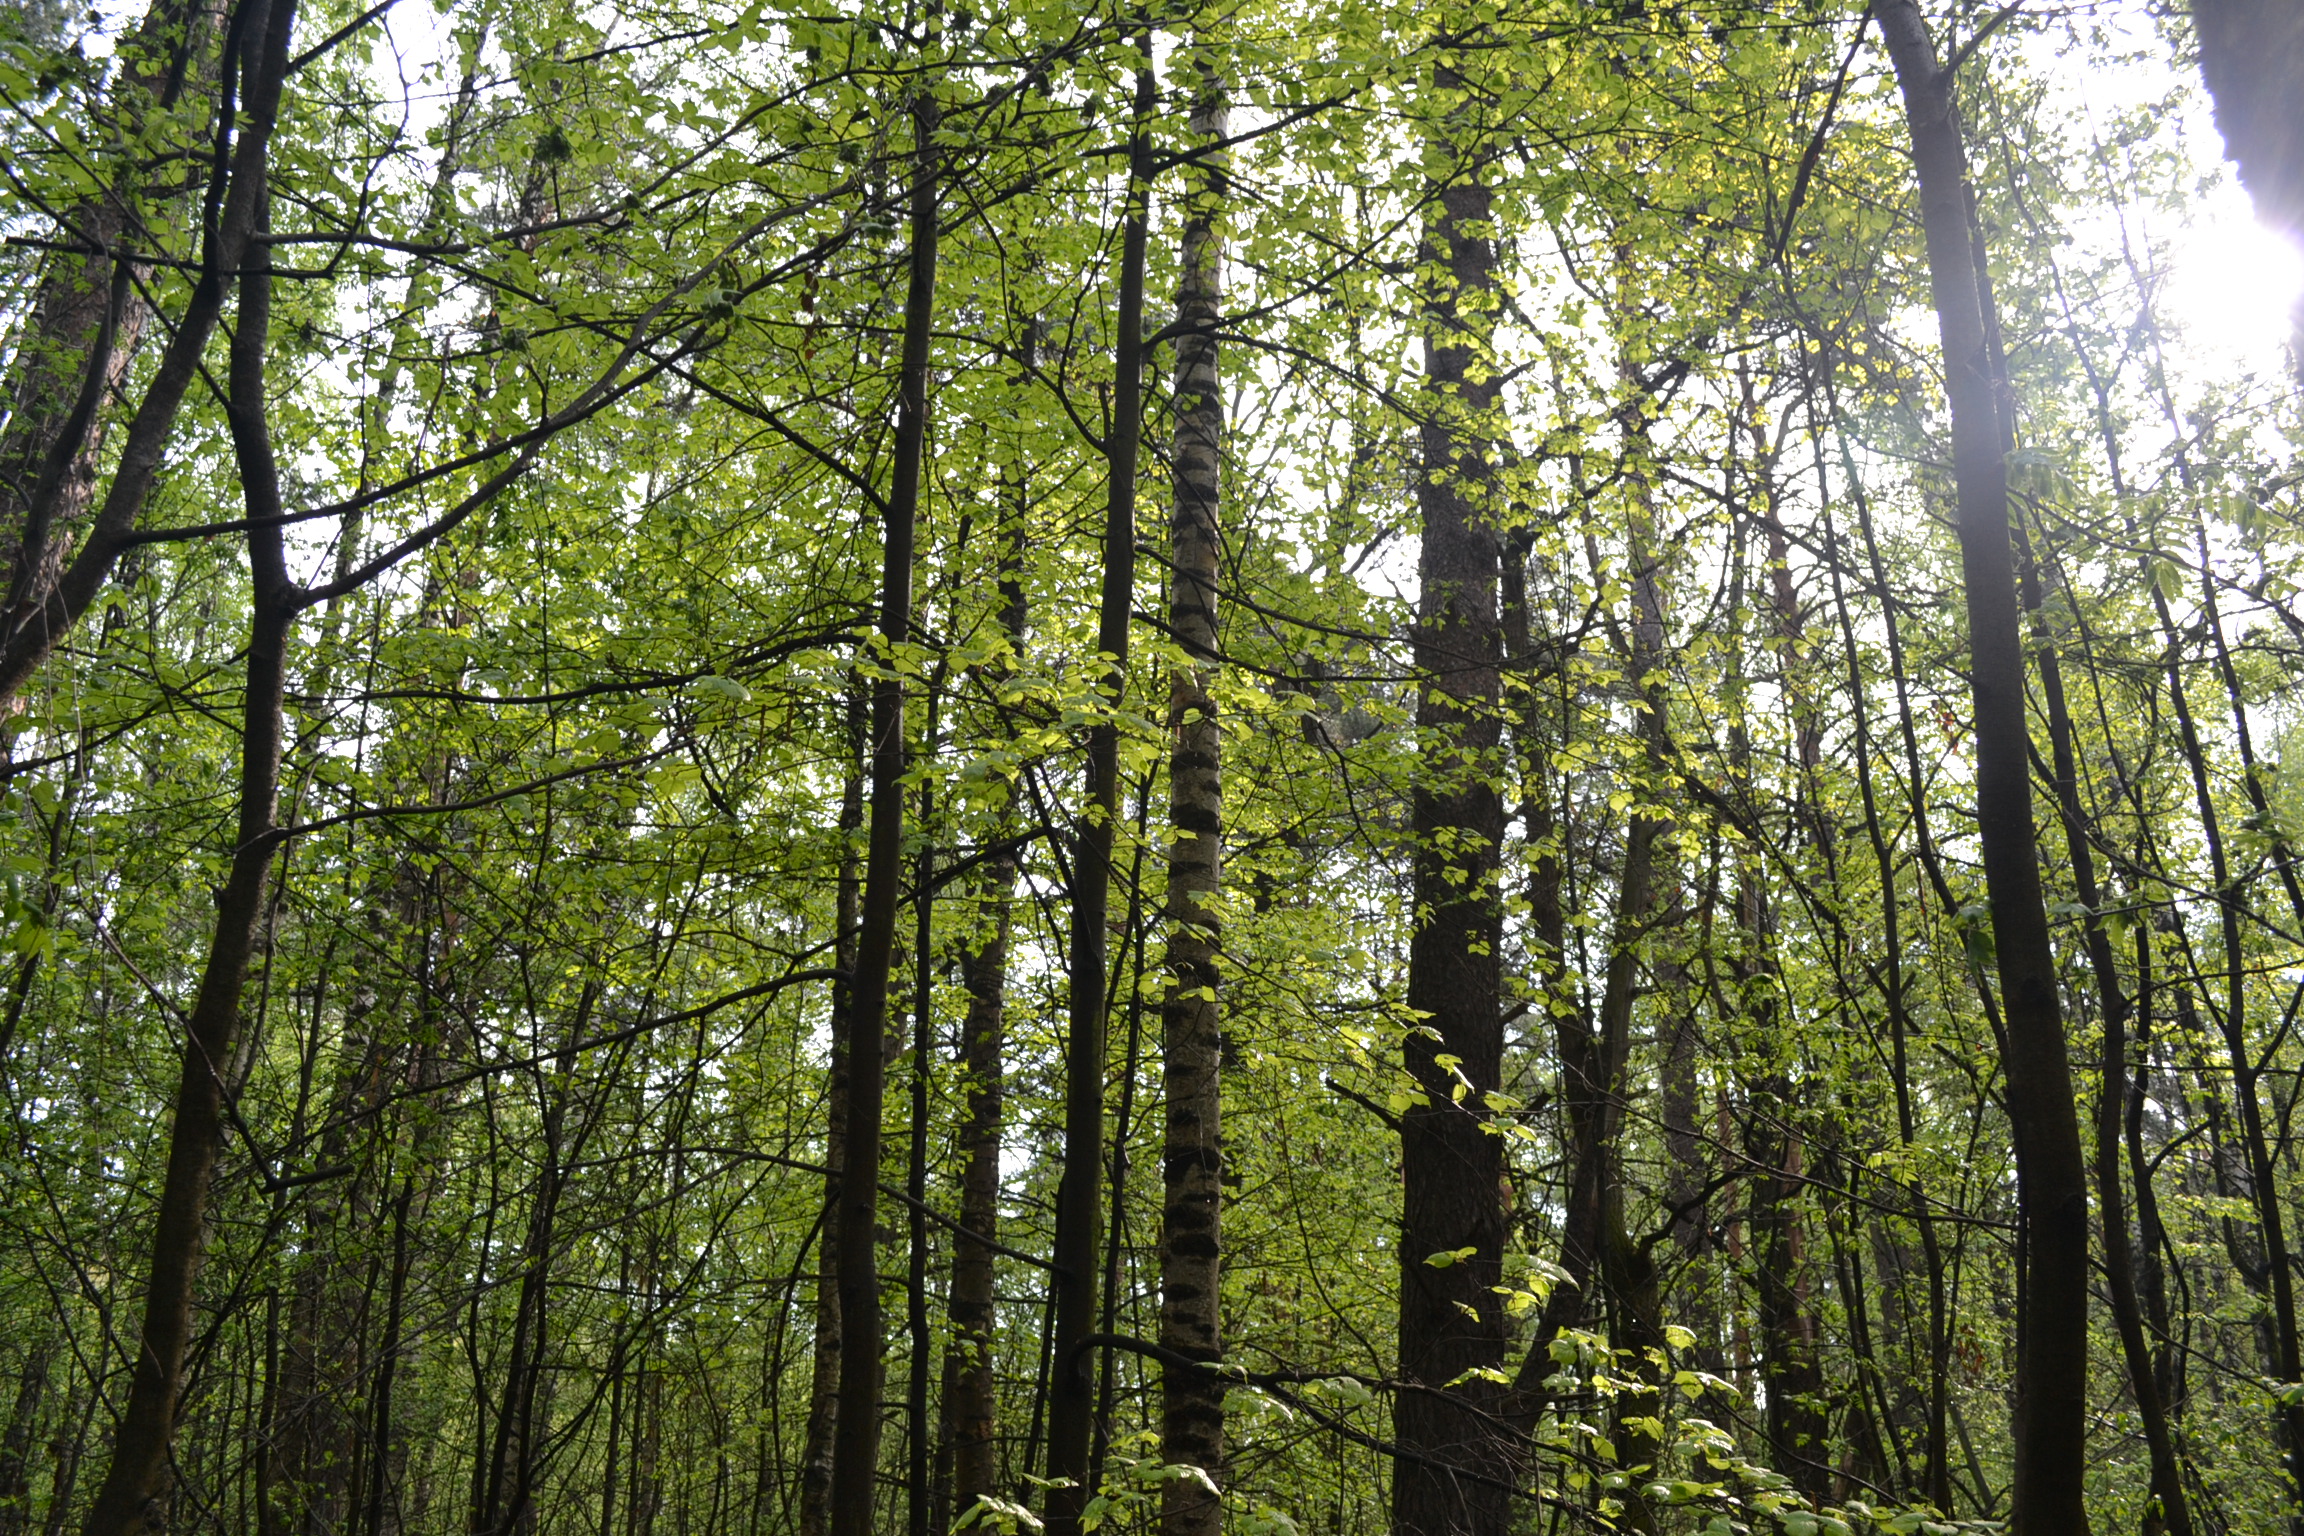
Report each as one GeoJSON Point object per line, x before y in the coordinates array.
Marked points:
{"type": "Point", "coordinates": [2233, 283]}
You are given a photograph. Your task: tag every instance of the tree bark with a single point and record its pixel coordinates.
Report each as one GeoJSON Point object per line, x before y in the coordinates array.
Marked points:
{"type": "Point", "coordinates": [1935, 1476]}
{"type": "Point", "coordinates": [2273, 1279]}
{"type": "Point", "coordinates": [1191, 1014]}
{"type": "Point", "coordinates": [21, 1434]}
{"type": "Point", "coordinates": [1799, 1428]}
{"type": "Point", "coordinates": [2052, 1195]}
{"type": "Point", "coordinates": [1627, 1271]}
{"type": "Point", "coordinates": [88, 314]}
{"type": "Point", "coordinates": [43, 611]}
{"type": "Point", "coordinates": [919, 1434]}
{"type": "Point", "coordinates": [2174, 1513]}
{"type": "Point", "coordinates": [2251, 55]}
{"type": "Point", "coordinates": [824, 1381]}
{"type": "Point", "coordinates": [856, 1432]}
{"type": "Point", "coordinates": [1452, 1165]}
{"type": "Point", "coordinates": [134, 1489]}
{"type": "Point", "coordinates": [973, 1405]}
{"type": "Point", "coordinates": [1080, 1192]}
{"type": "Point", "coordinates": [971, 1401]}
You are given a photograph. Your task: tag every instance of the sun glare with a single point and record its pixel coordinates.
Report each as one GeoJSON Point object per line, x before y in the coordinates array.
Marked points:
{"type": "Point", "coordinates": [2234, 284]}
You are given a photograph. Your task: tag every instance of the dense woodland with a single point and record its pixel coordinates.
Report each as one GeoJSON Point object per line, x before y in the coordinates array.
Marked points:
{"type": "Point", "coordinates": [1290, 767]}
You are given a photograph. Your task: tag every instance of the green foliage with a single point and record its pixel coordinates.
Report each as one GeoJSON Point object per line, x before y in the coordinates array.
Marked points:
{"type": "Point", "coordinates": [583, 374]}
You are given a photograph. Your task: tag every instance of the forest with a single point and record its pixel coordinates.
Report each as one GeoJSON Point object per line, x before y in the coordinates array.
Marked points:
{"type": "Point", "coordinates": [1175, 767]}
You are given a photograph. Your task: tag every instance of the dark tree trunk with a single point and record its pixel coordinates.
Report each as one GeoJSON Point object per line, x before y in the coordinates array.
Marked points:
{"type": "Point", "coordinates": [2271, 1275]}
{"type": "Point", "coordinates": [2174, 1513]}
{"type": "Point", "coordinates": [21, 1434]}
{"type": "Point", "coordinates": [1080, 1194]}
{"type": "Point", "coordinates": [1452, 1165]}
{"type": "Point", "coordinates": [1791, 1364]}
{"type": "Point", "coordinates": [2050, 1429]}
{"type": "Point", "coordinates": [856, 1432]}
{"type": "Point", "coordinates": [1936, 1451]}
{"type": "Point", "coordinates": [1799, 1432]}
{"type": "Point", "coordinates": [1627, 1271]}
{"type": "Point", "coordinates": [1929, 1389]}
{"type": "Point", "coordinates": [135, 1488]}
{"type": "Point", "coordinates": [824, 1380]}
{"type": "Point", "coordinates": [382, 1444]}
{"type": "Point", "coordinates": [971, 1403]}
{"type": "Point", "coordinates": [919, 1432]}
{"type": "Point", "coordinates": [2252, 55]}
{"type": "Point", "coordinates": [2151, 1237]}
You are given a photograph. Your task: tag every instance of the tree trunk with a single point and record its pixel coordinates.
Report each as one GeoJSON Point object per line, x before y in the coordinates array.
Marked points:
{"type": "Point", "coordinates": [1799, 1433]}
{"type": "Point", "coordinates": [2052, 1194]}
{"type": "Point", "coordinates": [1452, 1164]}
{"type": "Point", "coordinates": [87, 316]}
{"type": "Point", "coordinates": [2273, 1278]}
{"type": "Point", "coordinates": [1191, 1015]}
{"type": "Point", "coordinates": [1080, 1192]}
{"type": "Point", "coordinates": [1628, 1273]}
{"type": "Point", "coordinates": [856, 1433]}
{"type": "Point", "coordinates": [134, 1490]}
{"type": "Point", "coordinates": [919, 1434]}
{"type": "Point", "coordinates": [2252, 55]}
{"type": "Point", "coordinates": [1935, 1474]}
{"type": "Point", "coordinates": [824, 1381]}
{"type": "Point", "coordinates": [43, 611]}
{"type": "Point", "coordinates": [2174, 1514]}
{"type": "Point", "coordinates": [1799, 1428]}
{"type": "Point", "coordinates": [20, 1436]}
{"type": "Point", "coordinates": [971, 1402]}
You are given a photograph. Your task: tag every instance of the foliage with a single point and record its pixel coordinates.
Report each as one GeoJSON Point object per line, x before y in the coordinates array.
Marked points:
{"type": "Point", "coordinates": [582, 371]}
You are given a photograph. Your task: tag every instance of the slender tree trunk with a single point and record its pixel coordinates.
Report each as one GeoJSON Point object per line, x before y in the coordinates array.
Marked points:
{"type": "Point", "coordinates": [2247, 1068]}
{"type": "Point", "coordinates": [824, 1381]}
{"type": "Point", "coordinates": [1799, 1428]}
{"type": "Point", "coordinates": [388, 1352]}
{"type": "Point", "coordinates": [1937, 1479]}
{"type": "Point", "coordinates": [1080, 1193]}
{"type": "Point", "coordinates": [1191, 1014]}
{"type": "Point", "coordinates": [135, 1487]}
{"type": "Point", "coordinates": [1799, 1433]}
{"type": "Point", "coordinates": [65, 1448]}
{"type": "Point", "coordinates": [2273, 1278]}
{"type": "Point", "coordinates": [2152, 1237]}
{"type": "Point", "coordinates": [1627, 1270]}
{"type": "Point", "coordinates": [2173, 1513]}
{"type": "Point", "coordinates": [503, 1502]}
{"type": "Point", "coordinates": [856, 1433]}
{"type": "Point", "coordinates": [920, 1437]}
{"type": "Point", "coordinates": [971, 1401]}
{"type": "Point", "coordinates": [1131, 929]}
{"type": "Point", "coordinates": [2050, 1428]}
{"type": "Point", "coordinates": [1935, 1483]}
{"type": "Point", "coordinates": [1680, 1098]}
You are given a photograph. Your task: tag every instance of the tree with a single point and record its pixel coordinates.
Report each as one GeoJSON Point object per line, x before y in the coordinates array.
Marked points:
{"type": "Point", "coordinates": [1484, 978]}
{"type": "Point", "coordinates": [1191, 1018]}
